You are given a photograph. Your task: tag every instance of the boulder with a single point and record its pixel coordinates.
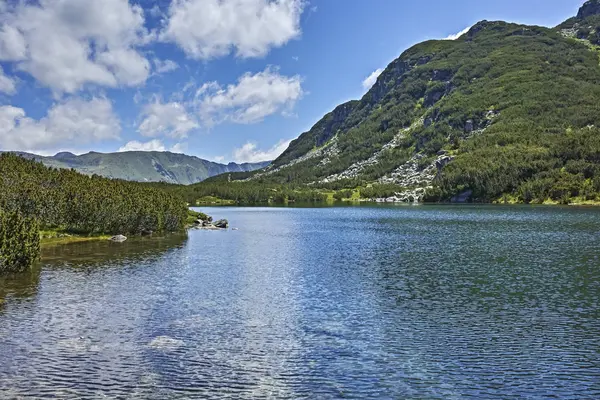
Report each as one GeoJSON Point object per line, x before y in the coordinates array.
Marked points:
{"type": "Point", "coordinates": [118, 238]}
{"type": "Point", "coordinates": [462, 197]}
{"type": "Point", "coordinates": [222, 223]}
{"type": "Point", "coordinates": [442, 161]}
{"type": "Point", "coordinates": [147, 232]}
{"type": "Point", "coordinates": [206, 223]}
{"type": "Point", "coordinates": [469, 126]}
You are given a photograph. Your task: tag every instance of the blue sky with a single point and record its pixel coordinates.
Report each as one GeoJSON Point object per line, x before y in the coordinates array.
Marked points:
{"type": "Point", "coordinates": [226, 80]}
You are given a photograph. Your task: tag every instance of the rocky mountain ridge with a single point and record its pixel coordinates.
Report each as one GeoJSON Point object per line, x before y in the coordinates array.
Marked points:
{"type": "Point", "coordinates": [142, 166]}
{"type": "Point", "coordinates": [489, 114]}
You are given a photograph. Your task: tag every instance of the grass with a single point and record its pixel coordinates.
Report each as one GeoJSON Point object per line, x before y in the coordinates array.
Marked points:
{"type": "Point", "coordinates": [578, 201]}
{"type": "Point", "coordinates": [55, 237]}
{"type": "Point", "coordinates": [212, 200]}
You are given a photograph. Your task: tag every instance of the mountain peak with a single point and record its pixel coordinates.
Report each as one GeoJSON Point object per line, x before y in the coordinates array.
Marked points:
{"type": "Point", "coordinates": [589, 8]}
{"type": "Point", "coordinates": [64, 154]}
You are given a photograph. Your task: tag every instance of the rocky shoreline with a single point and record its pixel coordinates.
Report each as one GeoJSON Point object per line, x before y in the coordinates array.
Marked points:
{"type": "Point", "coordinates": [207, 223]}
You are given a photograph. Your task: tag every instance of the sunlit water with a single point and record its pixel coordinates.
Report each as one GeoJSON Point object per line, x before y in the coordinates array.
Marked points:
{"type": "Point", "coordinates": [353, 302]}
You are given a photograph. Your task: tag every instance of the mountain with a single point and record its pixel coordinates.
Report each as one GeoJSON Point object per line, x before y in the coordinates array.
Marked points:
{"type": "Point", "coordinates": [506, 111]}
{"type": "Point", "coordinates": [142, 166]}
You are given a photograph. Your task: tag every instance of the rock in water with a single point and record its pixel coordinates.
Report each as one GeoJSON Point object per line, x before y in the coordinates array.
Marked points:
{"type": "Point", "coordinates": [165, 343]}
{"type": "Point", "coordinates": [118, 238]}
{"type": "Point", "coordinates": [222, 223]}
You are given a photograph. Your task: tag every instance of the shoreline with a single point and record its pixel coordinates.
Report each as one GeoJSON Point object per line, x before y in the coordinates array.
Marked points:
{"type": "Point", "coordinates": [56, 241]}
{"type": "Point", "coordinates": [586, 203]}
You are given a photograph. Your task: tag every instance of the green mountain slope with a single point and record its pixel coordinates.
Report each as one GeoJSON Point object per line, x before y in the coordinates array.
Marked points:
{"type": "Point", "coordinates": [145, 166]}
{"type": "Point", "coordinates": [506, 111]}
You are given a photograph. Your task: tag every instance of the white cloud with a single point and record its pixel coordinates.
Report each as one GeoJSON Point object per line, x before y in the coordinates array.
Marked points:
{"type": "Point", "coordinates": [67, 44]}
{"type": "Point", "coordinates": [155, 11]}
{"type": "Point", "coordinates": [250, 100]}
{"type": "Point", "coordinates": [179, 148]}
{"type": "Point", "coordinates": [75, 121]}
{"type": "Point", "coordinates": [170, 119]}
{"type": "Point", "coordinates": [152, 145]}
{"type": "Point", "coordinates": [249, 152]}
{"type": "Point", "coordinates": [163, 66]}
{"type": "Point", "coordinates": [12, 44]}
{"type": "Point", "coordinates": [127, 65]}
{"type": "Point", "coordinates": [7, 84]}
{"type": "Point", "coordinates": [207, 29]}
{"type": "Point", "coordinates": [457, 35]}
{"type": "Point", "coordinates": [371, 79]}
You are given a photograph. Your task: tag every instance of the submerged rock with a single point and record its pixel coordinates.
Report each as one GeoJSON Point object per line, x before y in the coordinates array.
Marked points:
{"type": "Point", "coordinates": [165, 343]}
{"type": "Point", "coordinates": [118, 238]}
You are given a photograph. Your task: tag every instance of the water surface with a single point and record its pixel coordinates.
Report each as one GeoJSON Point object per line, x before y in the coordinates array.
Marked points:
{"type": "Point", "coordinates": [346, 302]}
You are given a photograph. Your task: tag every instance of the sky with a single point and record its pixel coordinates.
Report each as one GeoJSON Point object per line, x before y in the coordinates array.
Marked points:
{"type": "Point", "coordinates": [224, 80]}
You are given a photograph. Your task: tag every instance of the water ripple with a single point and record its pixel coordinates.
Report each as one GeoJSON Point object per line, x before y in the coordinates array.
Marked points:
{"type": "Point", "coordinates": [365, 302]}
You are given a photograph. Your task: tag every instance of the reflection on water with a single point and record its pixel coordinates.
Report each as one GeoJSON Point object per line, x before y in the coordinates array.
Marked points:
{"type": "Point", "coordinates": [105, 251]}
{"type": "Point", "coordinates": [19, 286]}
{"type": "Point", "coordinates": [381, 302]}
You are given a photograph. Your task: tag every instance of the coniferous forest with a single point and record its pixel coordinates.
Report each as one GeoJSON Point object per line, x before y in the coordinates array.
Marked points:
{"type": "Point", "coordinates": [34, 197]}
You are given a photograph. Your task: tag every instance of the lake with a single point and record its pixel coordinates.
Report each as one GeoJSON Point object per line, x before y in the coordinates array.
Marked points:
{"type": "Point", "coordinates": [439, 302]}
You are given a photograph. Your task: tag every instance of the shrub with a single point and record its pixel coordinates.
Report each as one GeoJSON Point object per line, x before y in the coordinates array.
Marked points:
{"type": "Point", "coordinates": [19, 242]}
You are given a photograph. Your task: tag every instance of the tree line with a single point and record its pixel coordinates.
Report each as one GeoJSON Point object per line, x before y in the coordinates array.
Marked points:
{"type": "Point", "coordinates": [32, 196]}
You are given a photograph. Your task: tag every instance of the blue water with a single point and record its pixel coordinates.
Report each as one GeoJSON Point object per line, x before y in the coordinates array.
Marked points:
{"type": "Point", "coordinates": [445, 302]}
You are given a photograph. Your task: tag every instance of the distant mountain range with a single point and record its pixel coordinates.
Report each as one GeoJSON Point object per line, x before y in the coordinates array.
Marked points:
{"type": "Point", "coordinates": [144, 166]}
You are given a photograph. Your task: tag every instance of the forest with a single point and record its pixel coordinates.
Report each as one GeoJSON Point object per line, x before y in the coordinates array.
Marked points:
{"type": "Point", "coordinates": [515, 106]}
{"type": "Point", "coordinates": [36, 198]}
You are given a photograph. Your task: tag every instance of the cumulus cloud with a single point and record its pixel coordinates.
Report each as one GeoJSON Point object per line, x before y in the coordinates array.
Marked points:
{"type": "Point", "coordinates": [164, 66]}
{"type": "Point", "coordinates": [250, 152]}
{"type": "Point", "coordinates": [179, 148]}
{"type": "Point", "coordinates": [166, 119]}
{"type": "Point", "coordinates": [371, 79]}
{"type": "Point", "coordinates": [7, 84]}
{"type": "Point", "coordinates": [12, 44]}
{"type": "Point", "coordinates": [70, 43]}
{"type": "Point", "coordinates": [71, 122]}
{"type": "Point", "coordinates": [457, 35]}
{"type": "Point", "coordinates": [250, 100]}
{"type": "Point", "coordinates": [207, 29]}
{"type": "Point", "coordinates": [152, 145]}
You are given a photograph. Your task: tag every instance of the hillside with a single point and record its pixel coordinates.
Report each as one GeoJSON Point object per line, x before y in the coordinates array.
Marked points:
{"type": "Point", "coordinates": [506, 111]}
{"type": "Point", "coordinates": [144, 166]}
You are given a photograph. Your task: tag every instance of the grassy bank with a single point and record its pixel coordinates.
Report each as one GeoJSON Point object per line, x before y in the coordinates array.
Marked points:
{"type": "Point", "coordinates": [59, 237]}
